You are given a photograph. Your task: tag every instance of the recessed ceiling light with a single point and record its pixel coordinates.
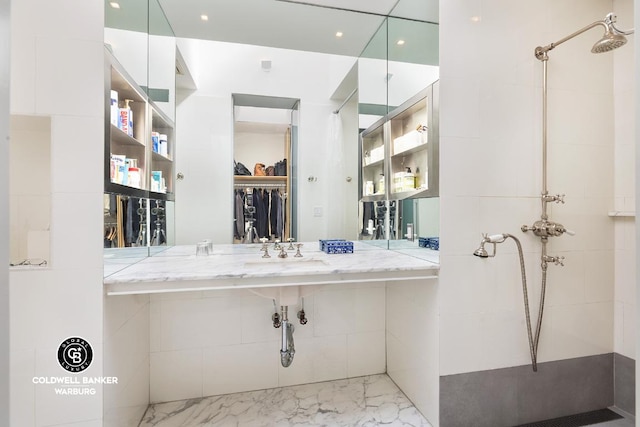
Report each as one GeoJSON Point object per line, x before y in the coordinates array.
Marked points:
{"type": "Point", "coordinates": [476, 19]}
{"type": "Point", "coordinates": [400, 42]}
{"type": "Point", "coordinates": [339, 34]}
{"type": "Point", "coordinates": [114, 5]}
{"type": "Point", "coordinates": [204, 17]}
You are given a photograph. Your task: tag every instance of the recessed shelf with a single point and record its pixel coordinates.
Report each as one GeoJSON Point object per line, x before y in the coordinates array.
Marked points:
{"type": "Point", "coordinates": [411, 150]}
{"type": "Point", "coordinates": [157, 157]}
{"type": "Point", "coordinates": [627, 214]}
{"type": "Point", "coordinates": [376, 163]}
{"type": "Point", "coordinates": [120, 138]}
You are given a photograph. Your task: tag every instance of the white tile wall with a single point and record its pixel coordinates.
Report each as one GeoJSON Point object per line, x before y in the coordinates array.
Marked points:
{"type": "Point", "coordinates": [624, 188]}
{"type": "Point", "coordinates": [126, 335]}
{"type": "Point", "coordinates": [235, 368]}
{"type": "Point", "coordinates": [491, 139]}
{"type": "Point", "coordinates": [57, 71]}
{"type": "Point", "coordinates": [412, 335]}
{"type": "Point", "coordinates": [214, 343]}
{"type": "Point", "coordinates": [175, 375]}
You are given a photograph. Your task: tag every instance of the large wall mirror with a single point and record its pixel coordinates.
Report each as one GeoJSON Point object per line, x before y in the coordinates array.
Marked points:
{"type": "Point", "coordinates": [345, 67]}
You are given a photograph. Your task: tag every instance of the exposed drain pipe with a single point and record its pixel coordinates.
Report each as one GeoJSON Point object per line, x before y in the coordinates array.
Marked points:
{"type": "Point", "coordinates": [287, 348]}
{"type": "Point", "coordinates": [287, 351]}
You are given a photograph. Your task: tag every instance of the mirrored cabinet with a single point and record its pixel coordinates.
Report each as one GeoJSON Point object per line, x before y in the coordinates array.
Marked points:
{"type": "Point", "coordinates": [399, 153]}
{"type": "Point", "coordinates": [139, 168]}
{"type": "Point", "coordinates": [139, 139]}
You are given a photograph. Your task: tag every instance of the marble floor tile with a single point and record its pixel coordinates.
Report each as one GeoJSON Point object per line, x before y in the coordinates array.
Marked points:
{"type": "Point", "coordinates": [365, 401]}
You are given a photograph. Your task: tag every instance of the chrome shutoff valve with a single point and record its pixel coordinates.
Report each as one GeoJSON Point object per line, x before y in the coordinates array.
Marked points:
{"type": "Point", "coordinates": [302, 317]}
{"type": "Point", "coordinates": [276, 320]}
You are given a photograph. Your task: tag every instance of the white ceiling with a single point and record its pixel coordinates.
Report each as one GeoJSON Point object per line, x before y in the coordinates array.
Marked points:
{"type": "Point", "coordinates": [292, 24]}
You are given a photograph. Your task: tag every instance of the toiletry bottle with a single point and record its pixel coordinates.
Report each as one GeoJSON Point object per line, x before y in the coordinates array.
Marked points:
{"type": "Point", "coordinates": [409, 180]}
{"type": "Point", "coordinates": [126, 118]}
{"type": "Point", "coordinates": [162, 145]}
{"type": "Point", "coordinates": [381, 184]}
{"type": "Point", "coordinates": [114, 109]}
{"type": "Point", "coordinates": [155, 142]}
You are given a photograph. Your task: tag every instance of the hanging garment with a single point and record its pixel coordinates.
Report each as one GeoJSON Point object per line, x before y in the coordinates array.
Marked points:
{"type": "Point", "coordinates": [276, 203]}
{"type": "Point", "coordinates": [261, 215]}
{"type": "Point", "coordinates": [266, 201]}
{"type": "Point", "coordinates": [238, 215]}
{"type": "Point", "coordinates": [280, 212]}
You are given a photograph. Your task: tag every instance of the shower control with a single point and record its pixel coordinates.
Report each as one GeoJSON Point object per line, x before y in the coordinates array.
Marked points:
{"type": "Point", "coordinates": [558, 198]}
{"type": "Point", "coordinates": [545, 229]}
{"type": "Point", "coordinates": [557, 260]}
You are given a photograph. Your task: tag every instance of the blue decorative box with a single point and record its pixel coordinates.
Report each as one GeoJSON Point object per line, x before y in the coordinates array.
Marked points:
{"type": "Point", "coordinates": [429, 242]}
{"type": "Point", "coordinates": [336, 246]}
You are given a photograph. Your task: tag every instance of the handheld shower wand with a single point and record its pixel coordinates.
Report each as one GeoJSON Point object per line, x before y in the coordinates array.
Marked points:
{"type": "Point", "coordinates": [494, 239]}
{"type": "Point", "coordinates": [482, 253]}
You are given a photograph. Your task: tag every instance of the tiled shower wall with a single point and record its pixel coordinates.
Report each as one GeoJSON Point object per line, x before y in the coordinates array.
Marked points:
{"type": "Point", "coordinates": [624, 188]}
{"type": "Point", "coordinates": [625, 227]}
{"type": "Point", "coordinates": [491, 180]}
{"type": "Point", "coordinates": [217, 342]}
{"type": "Point", "coordinates": [491, 138]}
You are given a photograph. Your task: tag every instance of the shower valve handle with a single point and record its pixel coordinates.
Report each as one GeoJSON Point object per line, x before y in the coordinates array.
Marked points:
{"type": "Point", "coordinates": [544, 229]}
{"type": "Point", "coordinates": [558, 198]}
{"type": "Point", "coordinates": [557, 260]}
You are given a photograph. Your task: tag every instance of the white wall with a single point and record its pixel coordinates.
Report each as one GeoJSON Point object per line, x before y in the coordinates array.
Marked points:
{"type": "Point", "coordinates": [218, 342]}
{"type": "Point", "coordinates": [412, 343]}
{"type": "Point", "coordinates": [30, 187]}
{"type": "Point", "coordinates": [57, 70]}
{"type": "Point", "coordinates": [204, 126]}
{"type": "Point", "coordinates": [126, 356]}
{"type": "Point", "coordinates": [266, 147]}
{"type": "Point", "coordinates": [624, 187]}
{"type": "Point", "coordinates": [490, 148]}
{"type": "Point", "coordinates": [4, 212]}
{"type": "Point", "coordinates": [407, 79]}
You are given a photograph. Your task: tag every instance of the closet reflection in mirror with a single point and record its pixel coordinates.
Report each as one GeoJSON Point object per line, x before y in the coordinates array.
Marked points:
{"type": "Point", "coordinates": [264, 138]}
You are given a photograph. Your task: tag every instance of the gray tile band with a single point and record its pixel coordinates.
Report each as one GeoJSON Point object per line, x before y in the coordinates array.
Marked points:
{"type": "Point", "coordinates": [512, 396]}
{"type": "Point", "coordinates": [624, 370]}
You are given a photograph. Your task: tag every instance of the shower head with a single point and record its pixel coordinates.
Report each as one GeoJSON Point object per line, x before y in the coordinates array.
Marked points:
{"type": "Point", "coordinates": [494, 239]}
{"type": "Point", "coordinates": [613, 37]}
{"type": "Point", "coordinates": [608, 42]}
{"type": "Point", "coordinates": [481, 251]}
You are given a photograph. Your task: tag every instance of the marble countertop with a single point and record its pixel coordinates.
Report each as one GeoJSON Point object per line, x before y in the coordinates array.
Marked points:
{"type": "Point", "coordinates": [177, 268]}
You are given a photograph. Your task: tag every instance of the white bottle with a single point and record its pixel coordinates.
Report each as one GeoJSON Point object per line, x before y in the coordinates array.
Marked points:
{"type": "Point", "coordinates": [163, 145]}
{"type": "Point", "coordinates": [114, 108]}
{"type": "Point", "coordinates": [126, 118]}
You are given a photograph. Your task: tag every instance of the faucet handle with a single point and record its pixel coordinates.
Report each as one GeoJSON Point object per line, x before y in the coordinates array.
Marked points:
{"type": "Point", "coordinates": [298, 254]}
{"type": "Point", "coordinates": [569, 232]}
{"type": "Point", "coordinates": [290, 240]}
{"type": "Point", "coordinates": [283, 253]}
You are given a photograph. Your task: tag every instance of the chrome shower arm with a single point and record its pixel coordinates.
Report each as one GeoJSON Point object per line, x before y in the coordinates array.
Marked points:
{"type": "Point", "coordinates": [541, 51]}
{"type": "Point", "coordinates": [611, 19]}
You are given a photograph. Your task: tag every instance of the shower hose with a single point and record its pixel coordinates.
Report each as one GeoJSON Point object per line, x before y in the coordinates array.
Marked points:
{"type": "Point", "coordinates": [533, 340]}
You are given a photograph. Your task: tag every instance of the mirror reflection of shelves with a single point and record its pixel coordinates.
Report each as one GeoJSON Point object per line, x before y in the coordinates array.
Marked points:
{"type": "Point", "coordinates": [407, 140]}
{"type": "Point", "coordinates": [139, 139]}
